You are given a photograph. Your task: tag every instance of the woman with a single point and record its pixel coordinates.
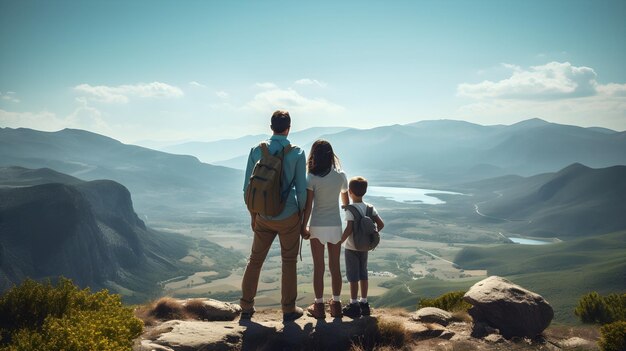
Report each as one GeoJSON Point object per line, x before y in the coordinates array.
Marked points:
{"type": "Point", "coordinates": [325, 182]}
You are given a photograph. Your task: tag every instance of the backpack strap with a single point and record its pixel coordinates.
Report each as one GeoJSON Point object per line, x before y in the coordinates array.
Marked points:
{"type": "Point", "coordinates": [264, 149]}
{"type": "Point", "coordinates": [369, 211]}
{"type": "Point", "coordinates": [355, 212]}
{"type": "Point", "coordinates": [286, 149]}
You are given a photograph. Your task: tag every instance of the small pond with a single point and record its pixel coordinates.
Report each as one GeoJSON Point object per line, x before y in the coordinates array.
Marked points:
{"type": "Point", "coordinates": [529, 241]}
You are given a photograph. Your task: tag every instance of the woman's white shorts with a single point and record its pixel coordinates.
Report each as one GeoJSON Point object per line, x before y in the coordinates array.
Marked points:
{"type": "Point", "coordinates": [331, 234]}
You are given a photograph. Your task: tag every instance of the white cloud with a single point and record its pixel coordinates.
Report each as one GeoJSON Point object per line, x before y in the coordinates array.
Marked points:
{"type": "Point", "coordinates": [123, 93]}
{"type": "Point", "coordinates": [222, 94]}
{"type": "Point", "coordinates": [612, 89]}
{"type": "Point", "coordinates": [266, 85]}
{"type": "Point", "coordinates": [9, 96]}
{"type": "Point", "coordinates": [87, 117]}
{"type": "Point", "coordinates": [42, 120]}
{"type": "Point", "coordinates": [196, 84]}
{"type": "Point", "coordinates": [83, 117]}
{"type": "Point", "coordinates": [558, 92]}
{"type": "Point", "coordinates": [512, 67]}
{"type": "Point", "coordinates": [307, 81]}
{"type": "Point", "coordinates": [600, 110]}
{"type": "Point", "coordinates": [551, 81]}
{"type": "Point", "coordinates": [290, 99]}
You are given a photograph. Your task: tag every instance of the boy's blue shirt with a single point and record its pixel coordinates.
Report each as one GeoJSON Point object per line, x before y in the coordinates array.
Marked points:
{"type": "Point", "coordinates": [294, 170]}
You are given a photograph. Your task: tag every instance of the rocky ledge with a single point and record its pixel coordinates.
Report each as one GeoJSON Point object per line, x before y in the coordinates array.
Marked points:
{"type": "Point", "coordinates": [388, 329]}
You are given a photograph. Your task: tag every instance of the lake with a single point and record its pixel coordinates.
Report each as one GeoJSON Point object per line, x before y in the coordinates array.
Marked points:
{"type": "Point", "coordinates": [416, 195]}
{"type": "Point", "coordinates": [529, 241]}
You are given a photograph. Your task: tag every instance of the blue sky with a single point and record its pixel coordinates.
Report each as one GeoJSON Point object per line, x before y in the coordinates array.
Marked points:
{"type": "Point", "coordinates": [206, 70]}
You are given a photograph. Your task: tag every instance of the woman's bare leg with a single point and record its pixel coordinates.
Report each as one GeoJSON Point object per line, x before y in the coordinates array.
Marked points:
{"type": "Point", "coordinates": [334, 252]}
{"type": "Point", "coordinates": [317, 251]}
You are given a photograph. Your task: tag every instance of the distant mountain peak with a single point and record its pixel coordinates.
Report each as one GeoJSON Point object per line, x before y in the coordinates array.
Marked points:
{"type": "Point", "coordinates": [443, 122]}
{"type": "Point", "coordinates": [574, 166]}
{"type": "Point", "coordinates": [533, 122]}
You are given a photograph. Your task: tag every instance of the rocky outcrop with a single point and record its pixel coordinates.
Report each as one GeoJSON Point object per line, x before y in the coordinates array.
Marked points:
{"type": "Point", "coordinates": [211, 310]}
{"type": "Point", "coordinates": [432, 315]}
{"type": "Point", "coordinates": [508, 307]}
{"type": "Point", "coordinates": [85, 231]}
{"type": "Point", "coordinates": [385, 329]}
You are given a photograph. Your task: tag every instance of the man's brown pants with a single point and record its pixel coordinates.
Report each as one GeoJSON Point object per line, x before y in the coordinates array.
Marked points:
{"type": "Point", "coordinates": [265, 231]}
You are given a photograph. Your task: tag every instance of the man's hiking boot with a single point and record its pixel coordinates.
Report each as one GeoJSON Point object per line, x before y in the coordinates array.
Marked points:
{"type": "Point", "coordinates": [365, 308]}
{"type": "Point", "coordinates": [316, 310]}
{"type": "Point", "coordinates": [335, 308]}
{"type": "Point", "coordinates": [246, 315]}
{"type": "Point", "coordinates": [292, 316]}
{"type": "Point", "coordinates": [352, 310]}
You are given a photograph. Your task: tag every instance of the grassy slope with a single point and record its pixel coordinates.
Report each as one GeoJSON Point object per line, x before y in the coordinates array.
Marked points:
{"type": "Point", "coordinates": [399, 296]}
{"type": "Point", "coordinates": [560, 272]}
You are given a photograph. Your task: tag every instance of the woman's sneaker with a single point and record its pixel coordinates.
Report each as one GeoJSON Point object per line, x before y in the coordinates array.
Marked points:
{"type": "Point", "coordinates": [316, 310]}
{"type": "Point", "coordinates": [365, 308]}
{"type": "Point", "coordinates": [352, 310]}
{"type": "Point", "coordinates": [335, 308]}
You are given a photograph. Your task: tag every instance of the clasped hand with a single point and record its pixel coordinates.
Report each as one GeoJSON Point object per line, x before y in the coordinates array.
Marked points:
{"type": "Point", "coordinates": [306, 234]}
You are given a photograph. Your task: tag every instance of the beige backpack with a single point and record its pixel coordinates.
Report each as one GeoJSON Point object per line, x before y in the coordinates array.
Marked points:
{"type": "Point", "coordinates": [263, 195]}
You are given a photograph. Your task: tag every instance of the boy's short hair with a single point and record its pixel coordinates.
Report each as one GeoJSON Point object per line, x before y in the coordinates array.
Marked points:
{"type": "Point", "coordinates": [280, 121]}
{"type": "Point", "coordinates": [358, 186]}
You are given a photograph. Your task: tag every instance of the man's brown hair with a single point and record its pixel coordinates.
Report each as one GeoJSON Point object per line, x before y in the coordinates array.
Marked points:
{"type": "Point", "coordinates": [358, 186]}
{"type": "Point", "coordinates": [280, 121]}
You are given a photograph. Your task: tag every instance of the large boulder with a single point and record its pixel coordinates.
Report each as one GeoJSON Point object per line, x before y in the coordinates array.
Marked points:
{"type": "Point", "coordinates": [508, 307]}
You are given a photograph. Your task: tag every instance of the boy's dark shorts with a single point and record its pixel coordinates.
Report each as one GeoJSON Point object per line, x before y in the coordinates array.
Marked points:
{"type": "Point", "coordinates": [356, 265]}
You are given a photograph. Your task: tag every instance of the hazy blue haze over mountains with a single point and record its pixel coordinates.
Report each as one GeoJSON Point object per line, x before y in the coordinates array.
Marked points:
{"type": "Point", "coordinates": [575, 201]}
{"type": "Point", "coordinates": [444, 152]}
{"type": "Point", "coordinates": [234, 152]}
{"type": "Point", "coordinates": [158, 181]}
{"type": "Point", "coordinates": [428, 153]}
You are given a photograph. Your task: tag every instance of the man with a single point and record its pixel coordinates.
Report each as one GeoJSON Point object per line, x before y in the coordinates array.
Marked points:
{"type": "Point", "coordinates": [286, 224]}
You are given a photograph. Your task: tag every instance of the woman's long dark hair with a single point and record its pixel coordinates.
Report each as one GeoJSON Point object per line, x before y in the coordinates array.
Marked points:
{"type": "Point", "coordinates": [322, 158]}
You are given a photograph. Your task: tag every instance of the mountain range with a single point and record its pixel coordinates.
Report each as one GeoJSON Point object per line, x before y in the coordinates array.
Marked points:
{"type": "Point", "coordinates": [575, 201]}
{"type": "Point", "coordinates": [160, 182]}
{"type": "Point", "coordinates": [444, 152]}
{"type": "Point", "coordinates": [438, 153]}
{"type": "Point", "coordinates": [233, 152]}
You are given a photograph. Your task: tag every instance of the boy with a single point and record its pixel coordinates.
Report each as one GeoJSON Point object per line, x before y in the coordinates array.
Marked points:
{"type": "Point", "coordinates": [356, 261]}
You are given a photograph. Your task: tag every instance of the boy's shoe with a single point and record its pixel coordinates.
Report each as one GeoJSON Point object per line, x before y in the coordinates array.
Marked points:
{"type": "Point", "coordinates": [316, 310]}
{"type": "Point", "coordinates": [365, 308]}
{"type": "Point", "coordinates": [335, 308]}
{"type": "Point", "coordinates": [352, 310]}
{"type": "Point", "coordinates": [246, 315]}
{"type": "Point", "coordinates": [292, 316]}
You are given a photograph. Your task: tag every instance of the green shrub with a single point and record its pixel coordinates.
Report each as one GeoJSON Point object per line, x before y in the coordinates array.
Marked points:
{"type": "Point", "coordinates": [613, 337]}
{"type": "Point", "coordinates": [617, 306]}
{"type": "Point", "coordinates": [452, 302]}
{"type": "Point", "coordinates": [35, 316]}
{"type": "Point", "coordinates": [594, 308]}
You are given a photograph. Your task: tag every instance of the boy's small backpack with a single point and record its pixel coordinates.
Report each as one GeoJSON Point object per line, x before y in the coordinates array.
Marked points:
{"type": "Point", "coordinates": [263, 195]}
{"type": "Point", "coordinates": [364, 232]}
